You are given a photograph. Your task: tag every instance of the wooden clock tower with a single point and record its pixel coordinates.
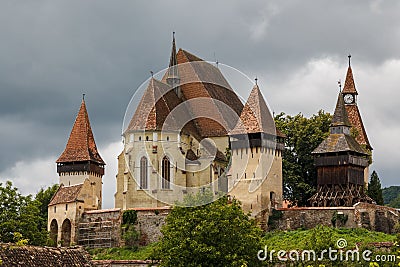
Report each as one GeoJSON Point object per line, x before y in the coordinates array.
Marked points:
{"type": "Point", "coordinates": [340, 161]}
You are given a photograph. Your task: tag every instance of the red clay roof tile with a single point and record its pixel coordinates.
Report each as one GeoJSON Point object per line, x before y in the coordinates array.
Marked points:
{"type": "Point", "coordinates": [81, 145]}
{"type": "Point", "coordinates": [349, 85]}
{"type": "Point", "coordinates": [255, 117]}
{"type": "Point", "coordinates": [66, 194]}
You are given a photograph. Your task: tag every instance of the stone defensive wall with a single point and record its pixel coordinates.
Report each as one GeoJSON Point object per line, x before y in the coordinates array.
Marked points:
{"type": "Point", "coordinates": [361, 215]}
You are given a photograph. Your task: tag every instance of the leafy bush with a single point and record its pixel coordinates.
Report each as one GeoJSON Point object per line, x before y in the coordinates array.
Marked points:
{"type": "Point", "coordinates": [129, 233]}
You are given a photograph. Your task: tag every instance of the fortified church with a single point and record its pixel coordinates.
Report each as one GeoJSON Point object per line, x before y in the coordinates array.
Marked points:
{"type": "Point", "coordinates": [190, 132]}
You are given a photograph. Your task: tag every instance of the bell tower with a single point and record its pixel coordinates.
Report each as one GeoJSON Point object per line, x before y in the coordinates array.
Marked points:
{"type": "Point", "coordinates": [80, 159]}
{"type": "Point", "coordinates": [350, 96]}
{"type": "Point", "coordinates": [340, 161]}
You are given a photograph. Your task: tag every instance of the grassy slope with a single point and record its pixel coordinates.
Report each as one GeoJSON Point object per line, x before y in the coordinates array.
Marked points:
{"type": "Point", "coordinates": [141, 253]}
{"type": "Point", "coordinates": [296, 239]}
{"type": "Point", "coordinates": [300, 239]}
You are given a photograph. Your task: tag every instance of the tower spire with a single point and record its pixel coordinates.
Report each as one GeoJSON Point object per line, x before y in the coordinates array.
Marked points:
{"type": "Point", "coordinates": [340, 116]}
{"type": "Point", "coordinates": [81, 146]}
{"type": "Point", "coordinates": [349, 85]}
{"type": "Point", "coordinates": [172, 60]}
{"type": "Point", "coordinates": [173, 75]}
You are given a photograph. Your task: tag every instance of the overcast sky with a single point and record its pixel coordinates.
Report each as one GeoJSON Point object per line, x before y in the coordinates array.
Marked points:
{"type": "Point", "coordinates": [53, 51]}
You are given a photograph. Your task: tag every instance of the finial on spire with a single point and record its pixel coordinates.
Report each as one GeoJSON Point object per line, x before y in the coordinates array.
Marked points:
{"type": "Point", "coordinates": [83, 97]}
{"type": "Point", "coordinates": [349, 56]}
{"type": "Point", "coordinates": [256, 79]}
{"type": "Point", "coordinates": [340, 85]}
{"type": "Point", "coordinates": [152, 73]}
{"type": "Point", "coordinates": [173, 35]}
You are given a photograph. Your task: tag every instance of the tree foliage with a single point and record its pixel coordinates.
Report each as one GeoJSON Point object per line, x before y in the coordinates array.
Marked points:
{"type": "Point", "coordinates": [303, 135]}
{"type": "Point", "coordinates": [129, 233]}
{"type": "Point", "coordinates": [375, 189]}
{"type": "Point", "coordinates": [215, 234]}
{"type": "Point", "coordinates": [43, 198]}
{"type": "Point", "coordinates": [20, 217]}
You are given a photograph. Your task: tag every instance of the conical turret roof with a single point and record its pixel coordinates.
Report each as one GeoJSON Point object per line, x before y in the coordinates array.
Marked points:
{"type": "Point", "coordinates": [81, 145]}
{"type": "Point", "coordinates": [255, 117]}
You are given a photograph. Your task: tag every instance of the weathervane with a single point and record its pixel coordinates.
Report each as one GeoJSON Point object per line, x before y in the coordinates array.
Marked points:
{"type": "Point", "coordinates": [256, 79]}
{"type": "Point", "coordinates": [349, 56]}
{"type": "Point", "coordinates": [83, 96]}
{"type": "Point", "coordinates": [151, 72]}
{"type": "Point", "coordinates": [340, 85]}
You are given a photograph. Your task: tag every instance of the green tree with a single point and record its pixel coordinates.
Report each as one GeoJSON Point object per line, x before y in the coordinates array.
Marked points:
{"type": "Point", "coordinates": [214, 234]}
{"type": "Point", "coordinates": [19, 214]}
{"type": "Point", "coordinates": [303, 135]}
{"type": "Point", "coordinates": [375, 189]}
{"type": "Point", "coordinates": [43, 197]}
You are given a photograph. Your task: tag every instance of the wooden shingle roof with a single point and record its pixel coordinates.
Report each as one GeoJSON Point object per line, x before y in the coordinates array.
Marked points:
{"type": "Point", "coordinates": [339, 143]}
{"type": "Point", "coordinates": [81, 145]}
{"type": "Point", "coordinates": [340, 116]}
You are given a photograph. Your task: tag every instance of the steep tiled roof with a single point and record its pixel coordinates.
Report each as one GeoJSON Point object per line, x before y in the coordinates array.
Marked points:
{"type": "Point", "coordinates": [340, 116]}
{"type": "Point", "coordinates": [211, 94]}
{"type": "Point", "coordinates": [66, 194]}
{"type": "Point", "coordinates": [32, 256]}
{"type": "Point", "coordinates": [81, 145]}
{"type": "Point", "coordinates": [154, 111]}
{"type": "Point", "coordinates": [339, 143]}
{"type": "Point", "coordinates": [349, 85]}
{"type": "Point", "coordinates": [255, 117]}
{"type": "Point", "coordinates": [353, 112]}
{"type": "Point", "coordinates": [208, 100]}
{"type": "Point", "coordinates": [157, 102]}
{"type": "Point", "coordinates": [356, 122]}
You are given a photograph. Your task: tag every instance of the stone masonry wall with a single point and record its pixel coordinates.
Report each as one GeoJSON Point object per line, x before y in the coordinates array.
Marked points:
{"type": "Point", "coordinates": [369, 216]}
{"type": "Point", "coordinates": [307, 217]}
{"type": "Point", "coordinates": [149, 223]}
{"type": "Point", "coordinates": [100, 228]}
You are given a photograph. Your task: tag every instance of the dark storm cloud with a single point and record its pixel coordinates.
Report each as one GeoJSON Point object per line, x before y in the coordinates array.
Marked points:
{"type": "Point", "coordinates": [53, 51]}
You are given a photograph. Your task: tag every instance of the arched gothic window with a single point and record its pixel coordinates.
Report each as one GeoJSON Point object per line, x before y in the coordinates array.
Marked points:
{"type": "Point", "coordinates": [166, 173]}
{"type": "Point", "coordinates": [143, 173]}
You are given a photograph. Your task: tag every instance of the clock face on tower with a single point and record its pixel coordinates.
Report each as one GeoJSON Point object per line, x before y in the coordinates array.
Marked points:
{"type": "Point", "coordinates": [348, 98]}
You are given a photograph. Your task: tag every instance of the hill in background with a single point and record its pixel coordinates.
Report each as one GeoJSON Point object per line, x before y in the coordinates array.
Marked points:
{"type": "Point", "coordinates": [391, 196]}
